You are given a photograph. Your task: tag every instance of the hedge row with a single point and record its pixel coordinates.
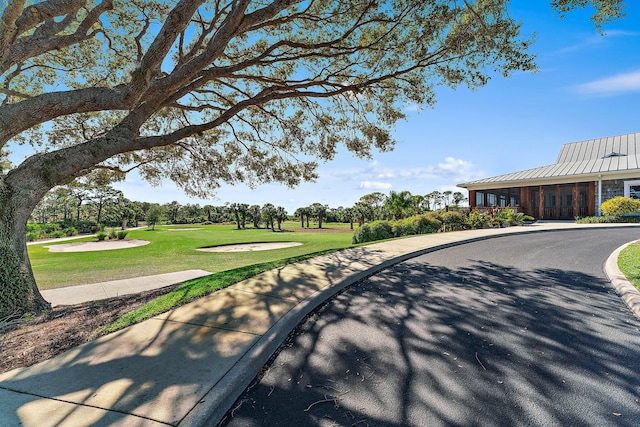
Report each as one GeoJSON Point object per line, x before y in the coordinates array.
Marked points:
{"type": "Point", "coordinates": [418, 224]}
{"type": "Point", "coordinates": [432, 222]}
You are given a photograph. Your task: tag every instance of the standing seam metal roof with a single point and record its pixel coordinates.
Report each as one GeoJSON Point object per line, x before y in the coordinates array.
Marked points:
{"type": "Point", "coordinates": [610, 154]}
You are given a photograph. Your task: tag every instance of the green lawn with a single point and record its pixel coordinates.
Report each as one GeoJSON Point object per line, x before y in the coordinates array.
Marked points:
{"type": "Point", "coordinates": [174, 250]}
{"type": "Point", "coordinates": [629, 263]}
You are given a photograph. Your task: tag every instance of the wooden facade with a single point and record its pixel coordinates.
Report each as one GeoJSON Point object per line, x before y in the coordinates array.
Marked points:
{"type": "Point", "coordinates": [557, 201]}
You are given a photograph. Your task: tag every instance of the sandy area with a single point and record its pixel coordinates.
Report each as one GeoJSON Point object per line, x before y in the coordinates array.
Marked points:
{"type": "Point", "coordinates": [105, 245]}
{"type": "Point", "coordinates": [245, 247]}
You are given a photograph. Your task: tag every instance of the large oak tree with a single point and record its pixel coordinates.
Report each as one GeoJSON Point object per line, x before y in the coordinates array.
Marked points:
{"type": "Point", "coordinates": [206, 92]}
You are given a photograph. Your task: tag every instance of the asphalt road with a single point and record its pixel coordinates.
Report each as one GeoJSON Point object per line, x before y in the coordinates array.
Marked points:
{"type": "Point", "coordinates": [519, 330]}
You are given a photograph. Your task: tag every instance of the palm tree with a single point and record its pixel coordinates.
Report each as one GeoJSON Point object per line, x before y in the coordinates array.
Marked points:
{"type": "Point", "coordinates": [301, 213]}
{"type": "Point", "coordinates": [233, 208]}
{"type": "Point", "coordinates": [398, 203]}
{"type": "Point", "coordinates": [255, 214]}
{"type": "Point", "coordinates": [281, 215]}
{"type": "Point", "coordinates": [347, 215]}
{"type": "Point", "coordinates": [319, 211]}
{"type": "Point", "coordinates": [269, 214]}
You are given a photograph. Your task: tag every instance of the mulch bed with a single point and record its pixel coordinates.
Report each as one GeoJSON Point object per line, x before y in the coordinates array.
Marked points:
{"type": "Point", "coordinates": [53, 332]}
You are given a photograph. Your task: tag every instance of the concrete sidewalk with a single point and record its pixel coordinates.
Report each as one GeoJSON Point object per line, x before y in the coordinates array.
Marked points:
{"type": "Point", "coordinates": [114, 288]}
{"type": "Point", "coordinates": [187, 366]}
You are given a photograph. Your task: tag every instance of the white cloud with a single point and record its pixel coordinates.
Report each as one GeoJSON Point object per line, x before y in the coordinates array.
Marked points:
{"type": "Point", "coordinates": [376, 176]}
{"type": "Point", "coordinates": [614, 85]}
{"type": "Point", "coordinates": [375, 185]}
{"type": "Point", "coordinates": [413, 108]}
{"type": "Point", "coordinates": [386, 175]}
{"type": "Point", "coordinates": [598, 40]}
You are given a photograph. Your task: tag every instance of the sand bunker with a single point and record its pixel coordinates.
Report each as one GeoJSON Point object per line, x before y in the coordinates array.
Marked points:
{"type": "Point", "coordinates": [245, 247]}
{"type": "Point", "coordinates": [105, 245]}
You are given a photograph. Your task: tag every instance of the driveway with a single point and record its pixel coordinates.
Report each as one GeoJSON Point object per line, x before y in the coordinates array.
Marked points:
{"type": "Point", "coordinates": [516, 330]}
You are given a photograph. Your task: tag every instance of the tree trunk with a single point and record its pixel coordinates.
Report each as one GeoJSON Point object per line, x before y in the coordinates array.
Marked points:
{"type": "Point", "coordinates": [18, 290]}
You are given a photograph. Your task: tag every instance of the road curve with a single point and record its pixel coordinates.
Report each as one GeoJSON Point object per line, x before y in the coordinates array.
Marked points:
{"type": "Point", "coordinates": [516, 330]}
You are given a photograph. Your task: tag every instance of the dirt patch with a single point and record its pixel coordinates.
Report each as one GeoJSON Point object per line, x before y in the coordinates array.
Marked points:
{"type": "Point", "coordinates": [104, 245]}
{"type": "Point", "coordinates": [64, 327]}
{"type": "Point", "coordinates": [247, 247]}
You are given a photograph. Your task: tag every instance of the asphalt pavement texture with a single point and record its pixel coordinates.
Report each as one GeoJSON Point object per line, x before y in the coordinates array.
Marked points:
{"type": "Point", "coordinates": [515, 330]}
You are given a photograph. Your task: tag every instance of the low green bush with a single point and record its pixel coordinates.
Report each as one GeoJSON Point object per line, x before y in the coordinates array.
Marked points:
{"type": "Point", "coordinates": [381, 230]}
{"type": "Point", "coordinates": [71, 231]}
{"type": "Point", "coordinates": [403, 227]}
{"type": "Point", "coordinates": [452, 221]}
{"type": "Point", "coordinates": [122, 234]}
{"type": "Point", "coordinates": [426, 224]}
{"type": "Point", "coordinates": [608, 219]}
{"type": "Point", "coordinates": [362, 234]}
{"type": "Point", "coordinates": [477, 220]}
{"type": "Point", "coordinates": [113, 234]}
{"type": "Point", "coordinates": [101, 235]}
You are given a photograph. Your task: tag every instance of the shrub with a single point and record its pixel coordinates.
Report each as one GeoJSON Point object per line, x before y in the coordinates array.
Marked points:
{"type": "Point", "coordinates": [362, 234]}
{"type": "Point", "coordinates": [607, 219]}
{"type": "Point", "coordinates": [101, 235]}
{"type": "Point", "coordinates": [381, 230]}
{"type": "Point", "coordinates": [71, 231]}
{"type": "Point", "coordinates": [426, 224]}
{"type": "Point", "coordinates": [57, 234]}
{"type": "Point", "coordinates": [403, 227]}
{"type": "Point", "coordinates": [122, 234]}
{"type": "Point", "coordinates": [477, 220]}
{"type": "Point", "coordinates": [620, 206]}
{"type": "Point", "coordinates": [452, 220]}
{"type": "Point", "coordinates": [113, 234]}
{"type": "Point", "coordinates": [51, 228]}
{"type": "Point", "coordinates": [32, 236]}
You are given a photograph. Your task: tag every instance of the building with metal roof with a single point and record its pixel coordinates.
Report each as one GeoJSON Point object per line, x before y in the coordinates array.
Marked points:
{"type": "Point", "coordinates": [586, 174]}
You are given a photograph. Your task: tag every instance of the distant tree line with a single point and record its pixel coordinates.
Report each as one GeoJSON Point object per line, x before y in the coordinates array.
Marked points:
{"type": "Point", "coordinates": [91, 204]}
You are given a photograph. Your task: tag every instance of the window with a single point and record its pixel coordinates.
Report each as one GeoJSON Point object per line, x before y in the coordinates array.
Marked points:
{"type": "Point", "coordinates": [492, 200]}
{"type": "Point", "coordinates": [479, 199]}
{"type": "Point", "coordinates": [632, 189]}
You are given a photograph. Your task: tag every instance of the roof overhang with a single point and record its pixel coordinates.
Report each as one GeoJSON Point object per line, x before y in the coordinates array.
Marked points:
{"type": "Point", "coordinates": [627, 174]}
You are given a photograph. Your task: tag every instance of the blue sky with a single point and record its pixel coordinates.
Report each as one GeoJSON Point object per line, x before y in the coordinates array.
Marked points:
{"type": "Point", "coordinates": [588, 87]}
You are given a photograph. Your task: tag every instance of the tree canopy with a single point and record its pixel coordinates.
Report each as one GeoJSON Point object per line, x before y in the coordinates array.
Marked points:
{"type": "Point", "coordinates": [206, 92]}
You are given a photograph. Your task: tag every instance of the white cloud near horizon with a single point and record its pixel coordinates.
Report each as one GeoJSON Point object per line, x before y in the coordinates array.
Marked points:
{"type": "Point", "coordinates": [375, 185]}
{"type": "Point", "coordinates": [597, 40]}
{"type": "Point", "coordinates": [377, 176]}
{"type": "Point", "coordinates": [614, 85]}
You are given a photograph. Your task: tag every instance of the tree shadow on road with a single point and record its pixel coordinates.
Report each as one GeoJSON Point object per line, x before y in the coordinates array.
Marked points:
{"type": "Point", "coordinates": [484, 345]}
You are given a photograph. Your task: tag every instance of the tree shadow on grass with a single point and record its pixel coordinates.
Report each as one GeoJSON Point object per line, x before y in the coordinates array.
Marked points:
{"type": "Point", "coordinates": [484, 345]}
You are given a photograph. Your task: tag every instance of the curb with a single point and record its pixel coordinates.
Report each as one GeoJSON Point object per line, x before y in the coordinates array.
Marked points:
{"type": "Point", "coordinates": [220, 398]}
{"type": "Point", "coordinates": [629, 293]}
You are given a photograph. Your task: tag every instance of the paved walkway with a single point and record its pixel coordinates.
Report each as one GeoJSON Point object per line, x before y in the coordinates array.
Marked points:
{"type": "Point", "coordinates": [186, 367]}
{"type": "Point", "coordinates": [114, 288]}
